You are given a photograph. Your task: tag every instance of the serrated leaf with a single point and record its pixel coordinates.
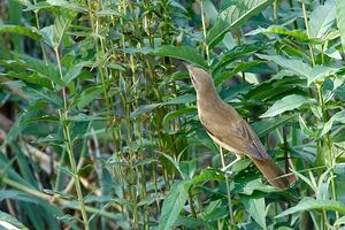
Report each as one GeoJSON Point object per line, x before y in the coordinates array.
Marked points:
{"type": "Point", "coordinates": [319, 73]}
{"type": "Point", "coordinates": [10, 222]}
{"type": "Point", "coordinates": [340, 13]}
{"type": "Point", "coordinates": [234, 16]}
{"type": "Point", "coordinates": [183, 99]}
{"type": "Point", "coordinates": [287, 103]}
{"type": "Point", "coordinates": [21, 30]}
{"type": "Point", "coordinates": [297, 66]}
{"type": "Point", "coordinates": [338, 117]}
{"type": "Point", "coordinates": [87, 96]}
{"type": "Point", "coordinates": [256, 209]}
{"type": "Point", "coordinates": [185, 53]}
{"type": "Point", "coordinates": [74, 72]}
{"type": "Point", "coordinates": [173, 204]}
{"type": "Point", "coordinates": [53, 34]}
{"type": "Point", "coordinates": [310, 204]}
{"type": "Point", "coordinates": [107, 12]}
{"type": "Point", "coordinates": [322, 19]}
{"type": "Point", "coordinates": [207, 175]}
{"type": "Point", "coordinates": [68, 5]}
{"type": "Point", "coordinates": [144, 109]}
{"type": "Point", "coordinates": [240, 67]}
{"type": "Point", "coordinates": [263, 127]}
{"type": "Point", "coordinates": [281, 30]}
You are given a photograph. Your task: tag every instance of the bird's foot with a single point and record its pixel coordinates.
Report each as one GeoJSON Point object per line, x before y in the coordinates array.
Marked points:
{"type": "Point", "coordinates": [224, 169]}
{"type": "Point", "coordinates": [229, 173]}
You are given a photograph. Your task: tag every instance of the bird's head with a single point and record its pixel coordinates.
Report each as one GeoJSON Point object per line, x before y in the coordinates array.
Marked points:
{"type": "Point", "coordinates": [201, 80]}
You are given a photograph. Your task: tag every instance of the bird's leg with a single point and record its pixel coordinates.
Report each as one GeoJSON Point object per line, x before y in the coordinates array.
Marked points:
{"type": "Point", "coordinates": [227, 182]}
{"type": "Point", "coordinates": [238, 158]}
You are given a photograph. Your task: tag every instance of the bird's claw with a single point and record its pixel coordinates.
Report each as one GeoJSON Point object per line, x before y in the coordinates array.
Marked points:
{"type": "Point", "coordinates": [229, 173]}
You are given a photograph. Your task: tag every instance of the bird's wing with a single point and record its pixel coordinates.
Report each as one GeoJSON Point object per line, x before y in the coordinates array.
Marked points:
{"type": "Point", "coordinates": [240, 137]}
{"type": "Point", "coordinates": [254, 147]}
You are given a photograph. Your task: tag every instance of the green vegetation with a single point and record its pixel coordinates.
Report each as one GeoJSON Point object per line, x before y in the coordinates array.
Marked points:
{"type": "Point", "coordinates": [99, 128]}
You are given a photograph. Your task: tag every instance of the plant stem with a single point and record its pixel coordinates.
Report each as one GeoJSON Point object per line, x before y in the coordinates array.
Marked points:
{"type": "Point", "coordinates": [190, 198]}
{"type": "Point", "coordinates": [53, 199]}
{"type": "Point", "coordinates": [204, 31]}
{"type": "Point", "coordinates": [327, 140]}
{"type": "Point", "coordinates": [308, 31]}
{"type": "Point", "coordinates": [227, 184]}
{"type": "Point", "coordinates": [63, 114]}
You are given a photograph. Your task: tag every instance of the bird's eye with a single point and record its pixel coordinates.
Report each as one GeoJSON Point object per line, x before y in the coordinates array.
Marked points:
{"type": "Point", "coordinates": [192, 77]}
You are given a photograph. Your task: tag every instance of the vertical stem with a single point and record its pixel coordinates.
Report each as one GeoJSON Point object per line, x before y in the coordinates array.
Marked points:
{"type": "Point", "coordinates": [190, 198]}
{"type": "Point", "coordinates": [204, 30]}
{"type": "Point", "coordinates": [103, 75]}
{"type": "Point", "coordinates": [275, 6]}
{"type": "Point", "coordinates": [15, 16]}
{"type": "Point", "coordinates": [291, 7]}
{"type": "Point", "coordinates": [227, 184]}
{"type": "Point", "coordinates": [308, 32]}
{"type": "Point", "coordinates": [324, 113]}
{"type": "Point", "coordinates": [327, 140]}
{"type": "Point", "coordinates": [63, 114]}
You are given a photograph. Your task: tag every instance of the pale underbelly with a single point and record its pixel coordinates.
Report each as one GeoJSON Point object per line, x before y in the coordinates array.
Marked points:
{"type": "Point", "coordinates": [223, 145]}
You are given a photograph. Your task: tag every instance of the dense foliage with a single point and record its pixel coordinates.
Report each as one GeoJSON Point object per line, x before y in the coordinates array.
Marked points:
{"type": "Point", "coordinates": [99, 128]}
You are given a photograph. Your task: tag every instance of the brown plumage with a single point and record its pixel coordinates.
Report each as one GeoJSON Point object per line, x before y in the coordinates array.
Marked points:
{"type": "Point", "coordinates": [227, 128]}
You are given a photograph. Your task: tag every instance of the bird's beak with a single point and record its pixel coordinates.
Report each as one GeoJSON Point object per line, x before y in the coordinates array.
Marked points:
{"type": "Point", "coordinates": [189, 68]}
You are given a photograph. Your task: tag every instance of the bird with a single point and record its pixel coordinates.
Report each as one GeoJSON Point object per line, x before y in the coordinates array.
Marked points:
{"type": "Point", "coordinates": [230, 131]}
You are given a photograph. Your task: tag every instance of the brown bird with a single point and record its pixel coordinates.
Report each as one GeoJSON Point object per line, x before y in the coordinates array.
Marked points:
{"type": "Point", "coordinates": [228, 129]}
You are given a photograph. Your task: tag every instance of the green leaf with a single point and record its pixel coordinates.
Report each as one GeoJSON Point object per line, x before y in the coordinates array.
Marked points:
{"type": "Point", "coordinates": [234, 16]}
{"type": "Point", "coordinates": [256, 185]}
{"type": "Point", "coordinates": [207, 175]}
{"type": "Point", "coordinates": [74, 72]}
{"type": "Point", "coordinates": [67, 5]}
{"type": "Point", "coordinates": [24, 2]}
{"type": "Point", "coordinates": [185, 53]}
{"type": "Point", "coordinates": [214, 211]}
{"type": "Point", "coordinates": [305, 129]}
{"type": "Point", "coordinates": [338, 117]}
{"type": "Point", "coordinates": [53, 34]}
{"type": "Point", "coordinates": [176, 164]}
{"type": "Point", "coordinates": [46, 70]}
{"type": "Point", "coordinates": [287, 103]}
{"type": "Point", "coordinates": [210, 11]}
{"type": "Point", "coordinates": [263, 127]}
{"type": "Point", "coordinates": [87, 95]}
{"type": "Point", "coordinates": [144, 109]}
{"type": "Point", "coordinates": [240, 67]}
{"type": "Point", "coordinates": [237, 52]}
{"type": "Point", "coordinates": [34, 78]}
{"type": "Point", "coordinates": [297, 66]}
{"type": "Point", "coordinates": [107, 12]}
{"type": "Point", "coordinates": [188, 168]}
{"type": "Point", "coordinates": [322, 19]}
{"type": "Point", "coordinates": [280, 30]}
{"type": "Point", "coordinates": [189, 222]}
{"type": "Point", "coordinates": [340, 221]}
{"type": "Point", "coordinates": [340, 4]}
{"type": "Point", "coordinates": [319, 73]}
{"type": "Point", "coordinates": [256, 209]}
{"type": "Point", "coordinates": [310, 204]}
{"type": "Point", "coordinates": [173, 204]}
{"type": "Point", "coordinates": [11, 222]}
{"type": "Point", "coordinates": [21, 30]}
{"type": "Point", "coordinates": [183, 99]}
{"type": "Point", "coordinates": [174, 115]}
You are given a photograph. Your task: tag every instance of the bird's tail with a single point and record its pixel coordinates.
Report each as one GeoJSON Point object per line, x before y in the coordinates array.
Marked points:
{"type": "Point", "coordinates": [275, 176]}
